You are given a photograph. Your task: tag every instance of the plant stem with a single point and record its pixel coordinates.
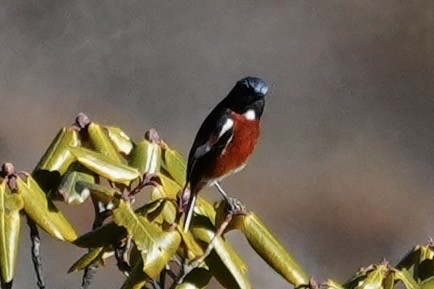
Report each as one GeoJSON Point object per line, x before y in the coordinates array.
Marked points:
{"type": "Point", "coordinates": [36, 258]}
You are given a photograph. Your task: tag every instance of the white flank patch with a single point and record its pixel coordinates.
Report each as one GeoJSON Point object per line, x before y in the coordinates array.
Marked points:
{"type": "Point", "coordinates": [250, 114]}
{"type": "Point", "coordinates": [206, 147]}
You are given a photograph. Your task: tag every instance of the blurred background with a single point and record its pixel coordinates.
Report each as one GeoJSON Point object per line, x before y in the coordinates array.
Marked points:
{"type": "Point", "coordinates": [343, 174]}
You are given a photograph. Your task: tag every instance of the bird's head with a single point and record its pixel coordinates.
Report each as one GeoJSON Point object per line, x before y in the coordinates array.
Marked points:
{"type": "Point", "coordinates": [248, 92]}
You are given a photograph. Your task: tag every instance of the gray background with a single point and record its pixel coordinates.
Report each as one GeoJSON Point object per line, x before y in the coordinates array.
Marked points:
{"type": "Point", "coordinates": [343, 173]}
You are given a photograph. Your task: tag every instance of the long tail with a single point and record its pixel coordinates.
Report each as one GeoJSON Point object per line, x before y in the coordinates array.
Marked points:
{"type": "Point", "coordinates": [190, 209]}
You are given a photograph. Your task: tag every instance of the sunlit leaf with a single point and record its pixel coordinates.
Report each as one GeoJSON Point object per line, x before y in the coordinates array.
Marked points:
{"type": "Point", "coordinates": [103, 236]}
{"type": "Point", "coordinates": [419, 262]}
{"type": "Point", "coordinates": [146, 157]}
{"type": "Point", "coordinates": [58, 157]}
{"type": "Point", "coordinates": [87, 259]}
{"type": "Point", "coordinates": [270, 249]}
{"type": "Point", "coordinates": [168, 188]}
{"type": "Point", "coordinates": [102, 143]}
{"type": "Point", "coordinates": [120, 139]}
{"type": "Point", "coordinates": [196, 279]}
{"type": "Point", "coordinates": [68, 188]}
{"type": "Point", "coordinates": [105, 167]}
{"type": "Point", "coordinates": [224, 263]}
{"type": "Point", "coordinates": [374, 279]}
{"type": "Point", "coordinates": [156, 246]}
{"type": "Point", "coordinates": [175, 165]}
{"type": "Point", "coordinates": [100, 192]}
{"type": "Point", "coordinates": [331, 284]}
{"type": "Point", "coordinates": [192, 249]}
{"type": "Point", "coordinates": [426, 284]}
{"type": "Point", "coordinates": [406, 277]}
{"type": "Point", "coordinates": [10, 225]}
{"type": "Point", "coordinates": [43, 212]}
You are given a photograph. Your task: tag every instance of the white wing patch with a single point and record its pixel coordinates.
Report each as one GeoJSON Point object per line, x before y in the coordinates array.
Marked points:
{"type": "Point", "coordinates": [227, 126]}
{"type": "Point", "coordinates": [206, 147]}
{"type": "Point", "coordinates": [250, 114]}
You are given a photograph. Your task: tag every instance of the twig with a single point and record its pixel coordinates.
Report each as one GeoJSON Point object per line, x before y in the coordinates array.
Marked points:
{"type": "Point", "coordinates": [36, 258]}
{"type": "Point", "coordinates": [100, 217]}
{"type": "Point", "coordinates": [196, 263]}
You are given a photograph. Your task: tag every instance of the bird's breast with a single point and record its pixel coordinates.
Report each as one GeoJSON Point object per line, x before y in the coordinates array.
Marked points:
{"type": "Point", "coordinates": [238, 150]}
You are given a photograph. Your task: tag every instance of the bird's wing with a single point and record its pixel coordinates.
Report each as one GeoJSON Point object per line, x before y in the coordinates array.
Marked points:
{"type": "Point", "coordinates": [213, 136]}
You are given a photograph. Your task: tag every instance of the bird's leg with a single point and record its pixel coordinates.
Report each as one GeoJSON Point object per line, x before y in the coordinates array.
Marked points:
{"type": "Point", "coordinates": [235, 207]}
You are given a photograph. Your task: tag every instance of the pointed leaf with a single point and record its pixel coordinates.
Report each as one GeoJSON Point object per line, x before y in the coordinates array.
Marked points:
{"type": "Point", "coordinates": [224, 263]}
{"type": "Point", "coordinates": [43, 212]}
{"type": "Point", "coordinates": [406, 277]}
{"type": "Point", "coordinates": [103, 236]}
{"type": "Point", "coordinates": [175, 165]}
{"type": "Point", "coordinates": [331, 284]}
{"type": "Point", "coordinates": [270, 249]}
{"type": "Point", "coordinates": [69, 190]}
{"type": "Point", "coordinates": [10, 225]}
{"type": "Point", "coordinates": [87, 259]}
{"type": "Point", "coordinates": [100, 192]}
{"type": "Point", "coordinates": [120, 139]}
{"type": "Point", "coordinates": [102, 143]}
{"type": "Point", "coordinates": [426, 284]}
{"type": "Point", "coordinates": [58, 157]}
{"type": "Point", "coordinates": [146, 157]}
{"type": "Point", "coordinates": [196, 279]}
{"type": "Point", "coordinates": [375, 278]}
{"type": "Point", "coordinates": [137, 278]}
{"type": "Point", "coordinates": [168, 188]}
{"type": "Point", "coordinates": [156, 246]}
{"type": "Point", "coordinates": [105, 167]}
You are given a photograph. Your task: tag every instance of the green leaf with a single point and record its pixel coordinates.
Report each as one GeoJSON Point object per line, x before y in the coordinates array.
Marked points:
{"type": "Point", "coordinates": [91, 257]}
{"type": "Point", "coordinates": [120, 139]}
{"type": "Point", "coordinates": [406, 277]}
{"type": "Point", "coordinates": [58, 157]}
{"type": "Point", "coordinates": [146, 157]}
{"type": "Point", "coordinates": [168, 188]}
{"type": "Point", "coordinates": [105, 167]}
{"type": "Point", "coordinates": [10, 225]}
{"type": "Point", "coordinates": [331, 284]}
{"type": "Point", "coordinates": [270, 249]}
{"type": "Point", "coordinates": [137, 278]}
{"type": "Point", "coordinates": [374, 279]}
{"type": "Point", "coordinates": [100, 192]}
{"type": "Point", "coordinates": [175, 165]}
{"type": "Point", "coordinates": [224, 263]}
{"type": "Point", "coordinates": [102, 143]}
{"type": "Point", "coordinates": [196, 279]}
{"type": "Point", "coordinates": [71, 192]}
{"type": "Point", "coordinates": [426, 284]}
{"type": "Point", "coordinates": [156, 246]}
{"type": "Point", "coordinates": [43, 212]}
{"type": "Point", "coordinates": [103, 236]}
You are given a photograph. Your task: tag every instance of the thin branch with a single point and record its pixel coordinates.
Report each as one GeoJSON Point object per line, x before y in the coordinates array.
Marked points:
{"type": "Point", "coordinates": [196, 263]}
{"type": "Point", "coordinates": [36, 258]}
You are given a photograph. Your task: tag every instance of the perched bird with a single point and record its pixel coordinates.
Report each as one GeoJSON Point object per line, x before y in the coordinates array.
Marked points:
{"type": "Point", "coordinates": [224, 141]}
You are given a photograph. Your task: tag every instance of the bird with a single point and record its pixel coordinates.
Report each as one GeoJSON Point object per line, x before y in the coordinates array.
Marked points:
{"type": "Point", "coordinates": [224, 141]}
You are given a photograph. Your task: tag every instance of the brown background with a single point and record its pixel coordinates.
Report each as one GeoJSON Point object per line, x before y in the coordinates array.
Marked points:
{"type": "Point", "coordinates": [344, 170]}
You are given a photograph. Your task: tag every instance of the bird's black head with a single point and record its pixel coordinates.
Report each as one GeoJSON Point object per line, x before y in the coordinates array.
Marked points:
{"type": "Point", "coordinates": [248, 93]}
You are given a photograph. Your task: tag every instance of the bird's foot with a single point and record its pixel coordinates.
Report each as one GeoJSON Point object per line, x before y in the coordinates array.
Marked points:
{"type": "Point", "coordinates": [235, 207]}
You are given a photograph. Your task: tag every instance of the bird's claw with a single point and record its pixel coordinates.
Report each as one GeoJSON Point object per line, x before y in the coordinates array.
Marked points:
{"type": "Point", "coordinates": [235, 207]}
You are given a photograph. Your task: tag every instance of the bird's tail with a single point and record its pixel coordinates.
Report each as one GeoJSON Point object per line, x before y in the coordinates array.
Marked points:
{"type": "Point", "coordinates": [190, 209]}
